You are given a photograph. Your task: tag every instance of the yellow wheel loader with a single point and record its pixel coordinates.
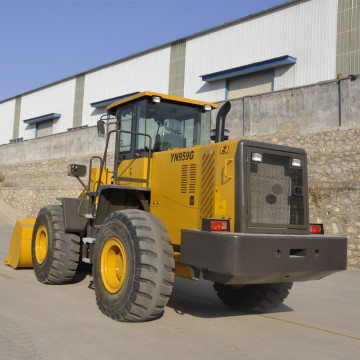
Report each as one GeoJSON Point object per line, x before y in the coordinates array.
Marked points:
{"type": "Point", "coordinates": [234, 212]}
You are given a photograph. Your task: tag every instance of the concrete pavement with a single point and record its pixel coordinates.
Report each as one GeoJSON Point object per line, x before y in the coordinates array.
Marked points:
{"type": "Point", "coordinates": [319, 320]}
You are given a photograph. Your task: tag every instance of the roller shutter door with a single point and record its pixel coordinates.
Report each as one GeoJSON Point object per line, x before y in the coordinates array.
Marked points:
{"type": "Point", "coordinates": [250, 85]}
{"type": "Point", "coordinates": [44, 128]}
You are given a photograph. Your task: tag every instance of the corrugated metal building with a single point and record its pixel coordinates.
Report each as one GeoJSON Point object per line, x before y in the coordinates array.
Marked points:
{"type": "Point", "coordinates": [297, 43]}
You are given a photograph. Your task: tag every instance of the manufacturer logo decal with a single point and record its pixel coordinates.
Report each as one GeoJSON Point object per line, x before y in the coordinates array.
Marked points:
{"type": "Point", "coordinates": [224, 150]}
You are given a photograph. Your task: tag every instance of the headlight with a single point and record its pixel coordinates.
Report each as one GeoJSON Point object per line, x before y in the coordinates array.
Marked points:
{"type": "Point", "coordinates": [296, 162]}
{"type": "Point", "coordinates": [256, 157]}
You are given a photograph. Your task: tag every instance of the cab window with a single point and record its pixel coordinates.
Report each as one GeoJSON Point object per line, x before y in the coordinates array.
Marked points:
{"type": "Point", "coordinates": [171, 126]}
{"type": "Point", "coordinates": [126, 116]}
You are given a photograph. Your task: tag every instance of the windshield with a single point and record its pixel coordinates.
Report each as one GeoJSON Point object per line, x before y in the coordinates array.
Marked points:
{"type": "Point", "coordinates": [171, 126]}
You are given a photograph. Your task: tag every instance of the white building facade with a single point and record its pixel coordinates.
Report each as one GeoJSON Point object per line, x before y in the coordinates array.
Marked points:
{"type": "Point", "coordinates": [291, 45]}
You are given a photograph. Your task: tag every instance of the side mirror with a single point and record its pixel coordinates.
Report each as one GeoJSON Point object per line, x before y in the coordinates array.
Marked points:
{"type": "Point", "coordinates": [100, 128]}
{"type": "Point", "coordinates": [76, 170]}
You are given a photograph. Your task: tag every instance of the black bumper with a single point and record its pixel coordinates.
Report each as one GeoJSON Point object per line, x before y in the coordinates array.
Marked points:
{"type": "Point", "coordinates": [237, 258]}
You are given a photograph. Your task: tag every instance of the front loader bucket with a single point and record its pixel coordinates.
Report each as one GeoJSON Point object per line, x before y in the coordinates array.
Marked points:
{"type": "Point", "coordinates": [20, 246]}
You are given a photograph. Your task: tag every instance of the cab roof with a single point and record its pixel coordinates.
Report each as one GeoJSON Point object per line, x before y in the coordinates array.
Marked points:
{"type": "Point", "coordinates": [145, 94]}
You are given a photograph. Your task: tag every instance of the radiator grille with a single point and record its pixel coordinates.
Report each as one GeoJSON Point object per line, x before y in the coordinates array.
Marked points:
{"type": "Point", "coordinates": [276, 192]}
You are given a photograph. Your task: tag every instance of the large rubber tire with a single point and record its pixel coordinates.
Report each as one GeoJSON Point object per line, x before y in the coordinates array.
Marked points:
{"type": "Point", "coordinates": [55, 254]}
{"type": "Point", "coordinates": [133, 266]}
{"type": "Point", "coordinates": [254, 298]}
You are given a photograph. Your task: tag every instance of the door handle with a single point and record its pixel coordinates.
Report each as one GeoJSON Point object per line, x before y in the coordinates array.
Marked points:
{"type": "Point", "coordinates": [228, 161]}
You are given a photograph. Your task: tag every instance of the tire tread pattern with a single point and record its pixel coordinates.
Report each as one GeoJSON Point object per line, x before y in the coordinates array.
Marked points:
{"type": "Point", "coordinates": [154, 268]}
{"type": "Point", "coordinates": [63, 254]}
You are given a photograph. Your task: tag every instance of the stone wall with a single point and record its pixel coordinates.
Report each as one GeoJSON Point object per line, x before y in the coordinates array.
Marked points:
{"type": "Point", "coordinates": [28, 186]}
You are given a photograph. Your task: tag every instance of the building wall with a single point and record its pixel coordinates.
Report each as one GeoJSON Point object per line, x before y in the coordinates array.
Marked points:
{"type": "Point", "coordinates": [305, 30]}
{"type": "Point", "coordinates": [7, 111]}
{"type": "Point", "coordinates": [147, 72]}
{"type": "Point", "coordinates": [325, 106]}
{"type": "Point", "coordinates": [58, 98]}
{"type": "Point", "coordinates": [66, 144]}
{"type": "Point", "coordinates": [328, 105]}
{"type": "Point", "coordinates": [310, 108]}
{"type": "Point", "coordinates": [348, 38]}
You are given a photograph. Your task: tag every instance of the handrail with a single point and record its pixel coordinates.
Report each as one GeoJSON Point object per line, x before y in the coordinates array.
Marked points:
{"type": "Point", "coordinates": [89, 182]}
{"type": "Point", "coordinates": [115, 170]}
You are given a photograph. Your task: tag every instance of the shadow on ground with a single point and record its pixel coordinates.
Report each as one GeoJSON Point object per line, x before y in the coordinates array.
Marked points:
{"type": "Point", "coordinates": [198, 298]}
{"type": "Point", "coordinates": [82, 272]}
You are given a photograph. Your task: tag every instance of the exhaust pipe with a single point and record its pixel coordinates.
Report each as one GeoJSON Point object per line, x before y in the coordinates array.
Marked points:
{"type": "Point", "coordinates": [220, 122]}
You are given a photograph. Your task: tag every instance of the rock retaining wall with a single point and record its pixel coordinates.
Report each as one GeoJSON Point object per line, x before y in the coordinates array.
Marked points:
{"type": "Point", "coordinates": [333, 169]}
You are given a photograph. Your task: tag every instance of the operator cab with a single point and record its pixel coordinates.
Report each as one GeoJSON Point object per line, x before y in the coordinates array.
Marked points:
{"type": "Point", "coordinates": [151, 122]}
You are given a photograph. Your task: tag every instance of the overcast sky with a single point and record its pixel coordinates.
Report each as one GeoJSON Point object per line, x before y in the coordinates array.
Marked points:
{"type": "Point", "coordinates": [43, 41]}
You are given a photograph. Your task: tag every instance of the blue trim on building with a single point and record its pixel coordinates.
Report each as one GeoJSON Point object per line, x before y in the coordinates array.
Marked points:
{"type": "Point", "coordinates": [106, 102]}
{"type": "Point", "coordinates": [268, 64]}
{"type": "Point", "coordinates": [42, 118]}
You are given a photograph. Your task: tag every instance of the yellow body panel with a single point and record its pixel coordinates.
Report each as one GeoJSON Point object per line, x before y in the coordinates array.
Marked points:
{"type": "Point", "coordinates": [170, 184]}
{"type": "Point", "coordinates": [94, 177]}
{"type": "Point", "coordinates": [20, 246]}
{"type": "Point", "coordinates": [191, 184]}
{"type": "Point", "coordinates": [133, 169]}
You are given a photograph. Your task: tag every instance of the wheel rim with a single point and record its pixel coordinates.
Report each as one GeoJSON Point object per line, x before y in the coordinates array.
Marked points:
{"type": "Point", "coordinates": [41, 244]}
{"type": "Point", "coordinates": [113, 265]}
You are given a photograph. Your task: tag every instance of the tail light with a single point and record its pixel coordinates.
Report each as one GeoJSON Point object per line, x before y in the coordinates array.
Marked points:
{"type": "Point", "coordinates": [215, 225]}
{"type": "Point", "coordinates": [316, 229]}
